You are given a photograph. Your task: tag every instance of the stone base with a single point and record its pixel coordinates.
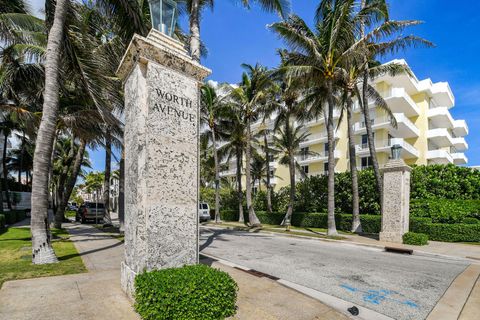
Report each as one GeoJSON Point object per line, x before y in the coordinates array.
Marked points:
{"type": "Point", "coordinates": [395, 237]}
{"type": "Point", "coordinates": [127, 279]}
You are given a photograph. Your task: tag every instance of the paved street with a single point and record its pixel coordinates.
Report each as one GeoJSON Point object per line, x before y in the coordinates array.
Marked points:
{"type": "Point", "coordinates": [399, 286]}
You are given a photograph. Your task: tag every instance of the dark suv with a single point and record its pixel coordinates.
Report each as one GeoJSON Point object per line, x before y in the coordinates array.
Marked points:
{"type": "Point", "coordinates": [90, 211]}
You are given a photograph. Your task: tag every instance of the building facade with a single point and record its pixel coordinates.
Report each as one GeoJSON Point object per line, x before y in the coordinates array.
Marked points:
{"type": "Point", "coordinates": [425, 129]}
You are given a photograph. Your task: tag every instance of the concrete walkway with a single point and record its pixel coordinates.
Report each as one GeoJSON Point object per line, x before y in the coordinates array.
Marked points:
{"type": "Point", "coordinates": [97, 294]}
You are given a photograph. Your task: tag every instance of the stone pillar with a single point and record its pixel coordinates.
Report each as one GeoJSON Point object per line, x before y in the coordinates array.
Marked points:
{"type": "Point", "coordinates": [162, 92]}
{"type": "Point", "coordinates": [396, 201]}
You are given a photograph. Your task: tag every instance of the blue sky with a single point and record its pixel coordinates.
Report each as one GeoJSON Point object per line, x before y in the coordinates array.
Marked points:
{"type": "Point", "coordinates": [234, 36]}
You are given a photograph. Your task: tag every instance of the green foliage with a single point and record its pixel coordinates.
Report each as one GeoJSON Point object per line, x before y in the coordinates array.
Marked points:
{"type": "Point", "coordinates": [416, 239]}
{"type": "Point", "coordinates": [445, 182]}
{"type": "Point", "coordinates": [445, 210]}
{"type": "Point", "coordinates": [229, 215]}
{"type": "Point", "coordinates": [2, 221]}
{"type": "Point", "coordinates": [370, 223]}
{"type": "Point", "coordinates": [450, 232]}
{"type": "Point", "coordinates": [469, 220]}
{"type": "Point", "coordinates": [228, 198]}
{"type": "Point", "coordinates": [190, 292]}
{"type": "Point", "coordinates": [16, 198]}
{"type": "Point", "coordinates": [14, 216]}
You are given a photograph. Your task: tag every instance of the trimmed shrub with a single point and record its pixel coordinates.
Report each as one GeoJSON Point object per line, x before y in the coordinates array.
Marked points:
{"type": "Point", "coordinates": [269, 218]}
{"type": "Point", "coordinates": [190, 292]}
{"type": "Point", "coordinates": [450, 232]}
{"type": "Point", "coordinates": [19, 215]}
{"type": "Point", "coordinates": [228, 215]}
{"type": "Point", "coordinates": [469, 220]}
{"type": "Point", "coordinates": [10, 217]}
{"type": "Point", "coordinates": [416, 239]}
{"type": "Point", "coordinates": [445, 210]}
{"type": "Point", "coordinates": [2, 221]}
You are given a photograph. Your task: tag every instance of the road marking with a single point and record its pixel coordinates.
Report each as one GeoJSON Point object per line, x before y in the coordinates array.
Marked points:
{"type": "Point", "coordinates": [378, 296]}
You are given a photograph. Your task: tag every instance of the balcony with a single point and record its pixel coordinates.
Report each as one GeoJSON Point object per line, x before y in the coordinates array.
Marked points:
{"type": "Point", "coordinates": [460, 144]}
{"type": "Point", "coordinates": [405, 127]}
{"type": "Point", "coordinates": [318, 138]}
{"type": "Point", "coordinates": [228, 173]}
{"type": "Point", "coordinates": [460, 128]}
{"type": "Point", "coordinates": [459, 158]}
{"type": "Point", "coordinates": [400, 102]}
{"type": "Point", "coordinates": [440, 117]}
{"type": "Point", "coordinates": [384, 146]}
{"type": "Point", "coordinates": [273, 164]}
{"type": "Point", "coordinates": [439, 157]}
{"type": "Point", "coordinates": [319, 157]}
{"type": "Point", "coordinates": [440, 137]}
{"type": "Point", "coordinates": [321, 119]}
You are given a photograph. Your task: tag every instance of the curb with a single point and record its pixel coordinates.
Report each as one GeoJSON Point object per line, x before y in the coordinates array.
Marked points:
{"type": "Point", "coordinates": [335, 303]}
{"type": "Point", "coordinates": [360, 244]}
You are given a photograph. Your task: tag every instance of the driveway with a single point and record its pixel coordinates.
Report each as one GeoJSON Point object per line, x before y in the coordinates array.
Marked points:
{"type": "Point", "coordinates": [399, 286]}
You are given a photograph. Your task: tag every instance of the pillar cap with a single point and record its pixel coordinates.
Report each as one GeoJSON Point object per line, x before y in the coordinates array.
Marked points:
{"type": "Point", "coordinates": [396, 165]}
{"type": "Point", "coordinates": [161, 49]}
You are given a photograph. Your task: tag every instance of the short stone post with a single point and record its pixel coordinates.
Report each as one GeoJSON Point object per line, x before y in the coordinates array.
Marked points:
{"type": "Point", "coordinates": [161, 134]}
{"type": "Point", "coordinates": [396, 201]}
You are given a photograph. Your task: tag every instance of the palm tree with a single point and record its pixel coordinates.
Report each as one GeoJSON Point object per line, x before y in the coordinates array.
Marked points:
{"type": "Point", "coordinates": [248, 96]}
{"type": "Point", "coordinates": [318, 57]}
{"type": "Point", "coordinates": [287, 144]}
{"type": "Point", "coordinates": [212, 109]}
{"type": "Point", "coordinates": [195, 8]}
{"type": "Point", "coordinates": [42, 251]}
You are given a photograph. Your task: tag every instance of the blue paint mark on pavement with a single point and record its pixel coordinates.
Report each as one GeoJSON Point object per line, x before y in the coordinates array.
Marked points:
{"type": "Point", "coordinates": [378, 296]}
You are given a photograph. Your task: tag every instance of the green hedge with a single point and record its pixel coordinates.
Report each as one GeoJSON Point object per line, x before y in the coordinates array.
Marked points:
{"type": "Point", "coordinates": [190, 292]}
{"type": "Point", "coordinates": [416, 239]}
{"type": "Point", "coordinates": [14, 216]}
{"type": "Point", "coordinates": [450, 232]}
{"type": "Point", "coordinates": [2, 221]}
{"type": "Point", "coordinates": [445, 210]}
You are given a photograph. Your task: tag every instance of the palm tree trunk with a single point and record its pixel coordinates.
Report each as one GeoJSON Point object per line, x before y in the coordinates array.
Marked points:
{"type": "Point", "coordinates": [371, 138]}
{"type": "Point", "coordinates": [239, 156]}
{"type": "Point", "coordinates": [72, 179]}
{"type": "Point", "coordinates": [269, 189]}
{"type": "Point", "coordinates": [5, 171]}
{"type": "Point", "coordinates": [291, 168]}
{"type": "Point", "coordinates": [121, 193]}
{"type": "Point", "coordinates": [195, 30]}
{"type": "Point", "coordinates": [106, 181]}
{"type": "Point", "coordinates": [42, 251]}
{"type": "Point", "coordinates": [22, 151]}
{"type": "Point", "coordinates": [252, 217]}
{"type": "Point", "coordinates": [217, 177]}
{"type": "Point", "coordinates": [332, 229]}
{"type": "Point", "coordinates": [356, 225]}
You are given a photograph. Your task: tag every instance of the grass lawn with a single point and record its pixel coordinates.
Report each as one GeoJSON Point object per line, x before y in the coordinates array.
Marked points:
{"type": "Point", "coordinates": [16, 260]}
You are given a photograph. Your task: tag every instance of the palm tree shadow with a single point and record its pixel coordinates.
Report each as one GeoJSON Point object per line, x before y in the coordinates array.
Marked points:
{"type": "Point", "coordinates": [69, 256]}
{"type": "Point", "coordinates": [213, 236]}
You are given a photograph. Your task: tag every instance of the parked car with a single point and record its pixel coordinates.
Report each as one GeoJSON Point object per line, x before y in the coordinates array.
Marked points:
{"type": "Point", "coordinates": [90, 211]}
{"type": "Point", "coordinates": [203, 211]}
{"type": "Point", "coordinates": [72, 206]}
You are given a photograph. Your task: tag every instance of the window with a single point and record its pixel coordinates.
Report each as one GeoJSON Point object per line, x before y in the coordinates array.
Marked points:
{"type": "Point", "coordinates": [365, 140]}
{"type": "Point", "coordinates": [325, 167]}
{"type": "Point", "coordinates": [305, 169]}
{"type": "Point", "coordinates": [271, 158]}
{"type": "Point", "coordinates": [366, 162]}
{"type": "Point", "coordinates": [254, 190]}
{"type": "Point", "coordinates": [271, 173]}
{"type": "Point", "coordinates": [390, 139]}
{"type": "Point", "coordinates": [304, 153]}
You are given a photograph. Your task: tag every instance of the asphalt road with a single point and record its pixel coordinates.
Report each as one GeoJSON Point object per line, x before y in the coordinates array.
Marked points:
{"type": "Point", "coordinates": [399, 286]}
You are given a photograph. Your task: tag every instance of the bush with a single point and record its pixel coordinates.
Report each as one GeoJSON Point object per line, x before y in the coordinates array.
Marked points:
{"type": "Point", "coordinates": [10, 217]}
{"type": "Point", "coordinates": [19, 215]}
{"type": "Point", "coordinates": [416, 239]}
{"type": "Point", "coordinates": [190, 292]}
{"type": "Point", "coordinates": [2, 221]}
{"type": "Point", "coordinates": [450, 232]}
{"type": "Point", "coordinates": [228, 215]}
{"type": "Point", "coordinates": [469, 220]}
{"type": "Point", "coordinates": [445, 210]}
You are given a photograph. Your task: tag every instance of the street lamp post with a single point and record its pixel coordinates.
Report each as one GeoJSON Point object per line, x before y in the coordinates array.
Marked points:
{"type": "Point", "coordinates": [164, 14]}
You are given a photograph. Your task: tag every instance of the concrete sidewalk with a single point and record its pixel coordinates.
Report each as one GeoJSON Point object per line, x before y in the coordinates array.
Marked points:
{"type": "Point", "coordinates": [98, 295]}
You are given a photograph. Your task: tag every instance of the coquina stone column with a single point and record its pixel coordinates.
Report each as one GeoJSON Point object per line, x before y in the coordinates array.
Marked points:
{"type": "Point", "coordinates": [396, 201]}
{"type": "Point", "coordinates": [161, 85]}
